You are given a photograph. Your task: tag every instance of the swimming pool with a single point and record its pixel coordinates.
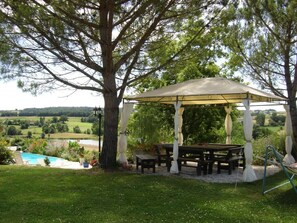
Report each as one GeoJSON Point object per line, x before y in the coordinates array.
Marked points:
{"type": "Point", "coordinates": [32, 159]}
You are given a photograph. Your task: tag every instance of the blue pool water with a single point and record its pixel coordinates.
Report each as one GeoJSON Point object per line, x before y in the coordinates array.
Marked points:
{"type": "Point", "coordinates": [32, 159]}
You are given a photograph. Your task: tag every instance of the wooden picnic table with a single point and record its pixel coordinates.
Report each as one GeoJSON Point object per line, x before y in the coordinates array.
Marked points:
{"type": "Point", "coordinates": [203, 154]}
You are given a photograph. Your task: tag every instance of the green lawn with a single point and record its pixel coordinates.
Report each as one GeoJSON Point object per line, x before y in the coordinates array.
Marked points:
{"type": "Point", "coordinates": [36, 194]}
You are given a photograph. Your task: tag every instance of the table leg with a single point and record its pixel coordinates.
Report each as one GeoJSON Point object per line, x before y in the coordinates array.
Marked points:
{"type": "Point", "coordinates": [137, 163]}
{"type": "Point", "coordinates": [142, 166]}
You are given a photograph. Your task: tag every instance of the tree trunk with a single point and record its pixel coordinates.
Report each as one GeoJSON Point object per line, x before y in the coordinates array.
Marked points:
{"type": "Point", "coordinates": [111, 116]}
{"type": "Point", "coordinates": [111, 107]}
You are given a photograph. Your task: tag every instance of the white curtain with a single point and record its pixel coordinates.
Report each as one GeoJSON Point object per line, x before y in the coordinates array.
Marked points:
{"type": "Point", "coordinates": [228, 124]}
{"type": "Point", "coordinates": [180, 125]}
{"type": "Point", "coordinates": [174, 165]}
{"type": "Point", "coordinates": [289, 159]}
{"type": "Point", "coordinates": [122, 141]}
{"type": "Point", "coordinates": [248, 173]}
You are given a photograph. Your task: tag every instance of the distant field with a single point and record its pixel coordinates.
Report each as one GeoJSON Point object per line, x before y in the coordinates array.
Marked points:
{"type": "Point", "coordinates": [69, 135]}
{"type": "Point", "coordinates": [72, 122]}
{"type": "Point", "coordinates": [75, 121]}
{"type": "Point", "coordinates": [275, 128]}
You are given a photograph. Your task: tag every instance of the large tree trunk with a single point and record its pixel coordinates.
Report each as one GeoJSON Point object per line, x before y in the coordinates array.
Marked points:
{"type": "Point", "coordinates": [111, 114]}
{"type": "Point", "coordinates": [111, 107]}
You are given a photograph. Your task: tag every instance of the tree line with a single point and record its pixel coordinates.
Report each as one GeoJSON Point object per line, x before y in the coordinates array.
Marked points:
{"type": "Point", "coordinates": [50, 111]}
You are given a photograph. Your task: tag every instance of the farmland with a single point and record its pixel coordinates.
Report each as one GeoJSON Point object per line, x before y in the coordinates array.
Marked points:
{"type": "Point", "coordinates": [37, 131]}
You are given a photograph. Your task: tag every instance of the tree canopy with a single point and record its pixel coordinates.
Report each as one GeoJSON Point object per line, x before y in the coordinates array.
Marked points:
{"type": "Point", "coordinates": [262, 38]}
{"type": "Point", "coordinates": [98, 45]}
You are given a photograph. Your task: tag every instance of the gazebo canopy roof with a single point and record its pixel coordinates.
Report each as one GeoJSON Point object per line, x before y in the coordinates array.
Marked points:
{"type": "Point", "coordinates": [206, 91]}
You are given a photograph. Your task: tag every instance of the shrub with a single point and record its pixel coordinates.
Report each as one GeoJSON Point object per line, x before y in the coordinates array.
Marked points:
{"type": "Point", "coordinates": [137, 145]}
{"type": "Point", "coordinates": [76, 129]}
{"type": "Point", "coordinates": [73, 152]}
{"type": "Point", "coordinates": [259, 146]}
{"type": "Point", "coordinates": [47, 161]}
{"type": "Point", "coordinates": [37, 146]}
{"type": "Point", "coordinates": [260, 132]}
{"type": "Point", "coordinates": [12, 130]}
{"type": "Point", "coordinates": [29, 134]}
{"type": "Point", "coordinates": [17, 141]}
{"type": "Point", "coordinates": [53, 149]}
{"type": "Point", "coordinates": [24, 124]}
{"type": "Point", "coordinates": [6, 155]}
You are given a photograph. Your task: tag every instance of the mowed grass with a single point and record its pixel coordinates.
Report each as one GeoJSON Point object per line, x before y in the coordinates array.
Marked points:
{"type": "Point", "coordinates": [76, 121]}
{"type": "Point", "coordinates": [36, 194]}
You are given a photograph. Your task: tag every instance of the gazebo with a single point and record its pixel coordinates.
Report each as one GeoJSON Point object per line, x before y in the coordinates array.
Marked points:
{"type": "Point", "coordinates": [206, 91]}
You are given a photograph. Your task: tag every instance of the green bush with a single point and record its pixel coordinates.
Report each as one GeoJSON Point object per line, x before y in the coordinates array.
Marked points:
{"type": "Point", "coordinates": [75, 151]}
{"type": "Point", "coordinates": [277, 140]}
{"type": "Point", "coordinates": [134, 145]}
{"type": "Point", "coordinates": [12, 130]}
{"type": "Point", "coordinates": [260, 132]}
{"type": "Point", "coordinates": [47, 161]}
{"type": "Point", "coordinates": [76, 129]}
{"type": "Point", "coordinates": [37, 146]}
{"type": "Point", "coordinates": [6, 156]}
{"type": "Point", "coordinates": [53, 149]}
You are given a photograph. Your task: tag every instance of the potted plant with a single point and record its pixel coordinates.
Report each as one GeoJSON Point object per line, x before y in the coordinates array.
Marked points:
{"type": "Point", "coordinates": [86, 163]}
{"type": "Point", "coordinates": [47, 161]}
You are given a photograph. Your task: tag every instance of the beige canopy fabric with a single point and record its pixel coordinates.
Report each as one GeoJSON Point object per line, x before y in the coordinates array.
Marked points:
{"type": "Point", "coordinates": [180, 125]}
{"type": "Point", "coordinates": [288, 159]}
{"type": "Point", "coordinates": [248, 173]}
{"type": "Point", "coordinates": [208, 91]}
{"type": "Point", "coordinates": [228, 124]}
{"type": "Point", "coordinates": [205, 91]}
{"type": "Point", "coordinates": [122, 141]}
{"type": "Point", "coordinates": [174, 166]}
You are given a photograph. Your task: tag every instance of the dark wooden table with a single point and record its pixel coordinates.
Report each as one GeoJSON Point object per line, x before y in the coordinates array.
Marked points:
{"type": "Point", "coordinates": [203, 152]}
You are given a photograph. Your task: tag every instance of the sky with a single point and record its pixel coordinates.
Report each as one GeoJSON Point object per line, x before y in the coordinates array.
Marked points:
{"type": "Point", "coordinates": [13, 98]}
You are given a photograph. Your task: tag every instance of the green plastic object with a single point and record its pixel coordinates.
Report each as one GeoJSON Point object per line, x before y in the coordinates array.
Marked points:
{"type": "Point", "coordinates": [289, 171]}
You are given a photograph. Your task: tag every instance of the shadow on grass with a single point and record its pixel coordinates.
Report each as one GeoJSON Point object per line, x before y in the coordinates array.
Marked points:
{"type": "Point", "coordinates": [56, 195]}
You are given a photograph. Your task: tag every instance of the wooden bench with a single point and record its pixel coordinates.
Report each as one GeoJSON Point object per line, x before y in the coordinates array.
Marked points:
{"type": "Point", "coordinates": [201, 164]}
{"type": "Point", "coordinates": [186, 155]}
{"type": "Point", "coordinates": [231, 159]}
{"type": "Point", "coordinates": [146, 161]}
